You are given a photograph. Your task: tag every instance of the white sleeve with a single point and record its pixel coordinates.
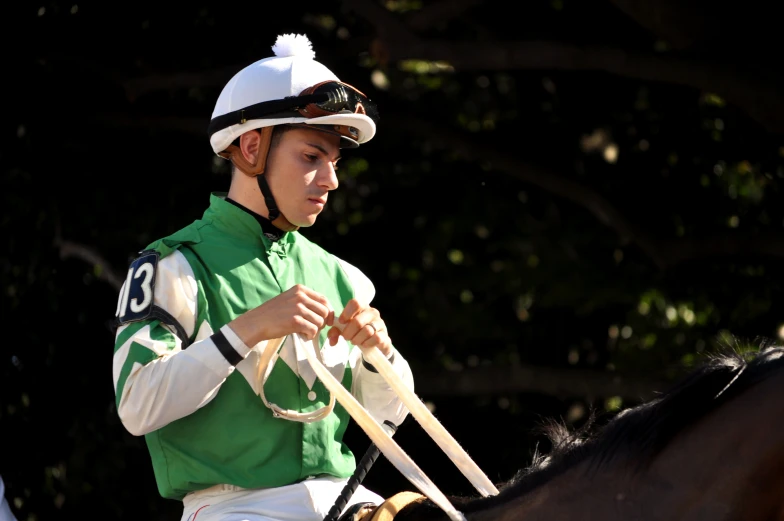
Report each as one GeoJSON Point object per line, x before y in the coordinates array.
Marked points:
{"type": "Point", "coordinates": [169, 383]}
{"type": "Point", "coordinates": [5, 508]}
{"type": "Point", "coordinates": [369, 387]}
{"type": "Point", "coordinates": [374, 393]}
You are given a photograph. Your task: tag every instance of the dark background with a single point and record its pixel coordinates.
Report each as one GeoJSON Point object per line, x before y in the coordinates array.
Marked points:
{"type": "Point", "coordinates": [564, 208]}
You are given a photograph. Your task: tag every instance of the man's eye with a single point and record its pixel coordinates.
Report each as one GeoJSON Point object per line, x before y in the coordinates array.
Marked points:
{"type": "Point", "coordinates": [311, 157]}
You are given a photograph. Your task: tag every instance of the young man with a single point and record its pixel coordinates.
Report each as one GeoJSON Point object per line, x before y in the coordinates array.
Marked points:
{"type": "Point", "coordinates": [235, 426]}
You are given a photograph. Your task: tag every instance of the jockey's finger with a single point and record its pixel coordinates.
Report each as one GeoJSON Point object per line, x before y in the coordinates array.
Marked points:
{"type": "Point", "coordinates": [371, 334]}
{"type": "Point", "coordinates": [384, 343]}
{"type": "Point", "coordinates": [333, 335]}
{"type": "Point", "coordinates": [324, 311]}
{"type": "Point", "coordinates": [359, 321]}
{"type": "Point", "coordinates": [313, 299]}
{"type": "Point", "coordinates": [307, 314]}
{"type": "Point", "coordinates": [353, 307]}
{"type": "Point", "coordinates": [304, 327]}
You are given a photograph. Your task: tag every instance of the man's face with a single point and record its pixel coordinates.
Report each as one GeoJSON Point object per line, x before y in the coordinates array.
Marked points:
{"type": "Point", "coordinates": [301, 171]}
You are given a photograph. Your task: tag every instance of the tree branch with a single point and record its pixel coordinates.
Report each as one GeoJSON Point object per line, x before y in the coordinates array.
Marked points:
{"type": "Point", "coordinates": [388, 26]}
{"type": "Point", "coordinates": [437, 12]}
{"type": "Point", "coordinates": [214, 77]}
{"type": "Point", "coordinates": [136, 87]}
{"type": "Point", "coordinates": [688, 250]}
{"type": "Point", "coordinates": [194, 126]}
{"type": "Point", "coordinates": [101, 268]}
{"type": "Point", "coordinates": [664, 253]}
{"type": "Point", "coordinates": [561, 383]}
{"type": "Point", "coordinates": [680, 23]}
{"type": "Point", "coordinates": [762, 101]}
{"type": "Point", "coordinates": [541, 177]}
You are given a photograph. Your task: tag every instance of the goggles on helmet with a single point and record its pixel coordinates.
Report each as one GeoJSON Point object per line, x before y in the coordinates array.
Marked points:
{"type": "Point", "coordinates": [336, 98]}
{"type": "Point", "coordinates": [323, 99]}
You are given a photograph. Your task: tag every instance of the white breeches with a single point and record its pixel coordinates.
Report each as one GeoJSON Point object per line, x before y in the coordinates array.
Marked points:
{"type": "Point", "coordinates": [309, 500]}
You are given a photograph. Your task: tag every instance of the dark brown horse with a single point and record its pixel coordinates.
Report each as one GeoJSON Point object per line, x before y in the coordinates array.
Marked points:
{"type": "Point", "coordinates": [712, 448]}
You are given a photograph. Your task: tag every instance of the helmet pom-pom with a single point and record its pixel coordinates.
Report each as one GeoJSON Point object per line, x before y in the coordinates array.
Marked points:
{"type": "Point", "coordinates": [293, 45]}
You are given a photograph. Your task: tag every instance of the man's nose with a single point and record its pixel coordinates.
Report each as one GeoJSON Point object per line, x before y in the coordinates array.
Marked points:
{"type": "Point", "coordinates": [329, 177]}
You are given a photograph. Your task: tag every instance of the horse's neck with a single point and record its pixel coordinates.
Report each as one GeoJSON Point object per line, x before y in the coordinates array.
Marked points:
{"type": "Point", "coordinates": [729, 464]}
{"type": "Point", "coordinates": [726, 466]}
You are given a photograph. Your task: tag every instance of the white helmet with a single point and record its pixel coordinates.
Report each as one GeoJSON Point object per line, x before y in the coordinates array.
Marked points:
{"type": "Point", "coordinates": [277, 90]}
{"type": "Point", "coordinates": [290, 88]}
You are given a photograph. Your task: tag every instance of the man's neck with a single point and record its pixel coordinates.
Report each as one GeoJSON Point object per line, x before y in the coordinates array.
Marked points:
{"type": "Point", "coordinates": [269, 229]}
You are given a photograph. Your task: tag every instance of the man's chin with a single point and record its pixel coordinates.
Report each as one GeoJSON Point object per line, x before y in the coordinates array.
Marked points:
{"type": "Point", "coordinates": [306, 222]}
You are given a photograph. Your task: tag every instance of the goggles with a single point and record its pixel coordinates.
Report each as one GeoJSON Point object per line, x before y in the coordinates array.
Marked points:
{"type": "Point", "coordinates": [327, 98]}
{"type": "Point", "coordinates": [335, 98]}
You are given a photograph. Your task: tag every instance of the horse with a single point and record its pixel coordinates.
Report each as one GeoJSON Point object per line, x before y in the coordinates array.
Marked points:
{"type": "Point", "coordinates": [710, 448]}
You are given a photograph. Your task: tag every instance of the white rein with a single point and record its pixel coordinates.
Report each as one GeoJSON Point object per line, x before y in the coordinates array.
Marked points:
{"type": "Point", "coordinates": [376, 432]}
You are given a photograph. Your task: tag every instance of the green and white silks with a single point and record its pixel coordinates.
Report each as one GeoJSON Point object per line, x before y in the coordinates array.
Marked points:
{"type": "Point", "coordinates": [199, 408]}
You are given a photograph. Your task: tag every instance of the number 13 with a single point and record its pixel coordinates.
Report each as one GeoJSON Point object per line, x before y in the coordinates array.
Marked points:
{"type": "Point", "coordinates": [147, 270]}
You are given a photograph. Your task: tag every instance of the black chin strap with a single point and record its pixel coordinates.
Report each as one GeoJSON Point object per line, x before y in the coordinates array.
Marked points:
{"type": "Point", "coordinates": [257, 170]}
{"type": "Point", "coordinates": [272, 207]}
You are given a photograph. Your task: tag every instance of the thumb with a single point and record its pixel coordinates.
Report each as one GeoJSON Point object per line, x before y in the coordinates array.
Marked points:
{"type": "Point", "coordinates": [332, 335]}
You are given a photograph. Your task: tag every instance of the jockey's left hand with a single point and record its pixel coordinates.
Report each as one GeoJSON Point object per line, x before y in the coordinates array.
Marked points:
{"type": "Point", "coordinates": [363, 327]}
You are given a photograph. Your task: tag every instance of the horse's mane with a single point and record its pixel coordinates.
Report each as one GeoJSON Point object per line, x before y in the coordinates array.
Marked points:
{"type": "Point", "coordinates": [644, 430]}
{"type": "Point", "coordinates": [641, 432]}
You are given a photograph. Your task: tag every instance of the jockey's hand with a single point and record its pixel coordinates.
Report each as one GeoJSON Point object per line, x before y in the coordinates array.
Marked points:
{"type": "Point", "coordinates": [362, 326]}
{"type": "Point", "coordinates": [297, 310]}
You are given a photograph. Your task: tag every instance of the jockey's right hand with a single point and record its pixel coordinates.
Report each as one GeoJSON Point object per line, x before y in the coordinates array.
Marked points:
{"type": "Point", "coordinates": [297, 310]}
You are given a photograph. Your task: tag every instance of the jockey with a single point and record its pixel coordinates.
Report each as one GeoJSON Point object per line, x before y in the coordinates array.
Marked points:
{"type": "Point", "coordinates": [234, 428]}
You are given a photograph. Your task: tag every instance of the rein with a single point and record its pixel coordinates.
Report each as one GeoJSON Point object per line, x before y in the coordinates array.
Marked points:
{"type": "Point", "coordinates": [381, 439]}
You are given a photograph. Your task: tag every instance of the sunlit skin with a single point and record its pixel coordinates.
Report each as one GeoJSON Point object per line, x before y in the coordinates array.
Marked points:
{"type": "Point", "coordinates": [301, 171]}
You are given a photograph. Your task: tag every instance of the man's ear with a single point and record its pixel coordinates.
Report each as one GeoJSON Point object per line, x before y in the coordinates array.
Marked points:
{"type": "Point", "coordinates": [249, 146]}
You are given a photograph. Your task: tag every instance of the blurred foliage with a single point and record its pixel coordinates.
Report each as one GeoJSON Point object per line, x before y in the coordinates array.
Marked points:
{"type": "Point", "coordinates": [473, 267]}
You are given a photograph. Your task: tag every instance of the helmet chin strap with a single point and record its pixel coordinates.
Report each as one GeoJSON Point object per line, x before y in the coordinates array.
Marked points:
{"type": "Point", "coordinates": [257, 170]}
